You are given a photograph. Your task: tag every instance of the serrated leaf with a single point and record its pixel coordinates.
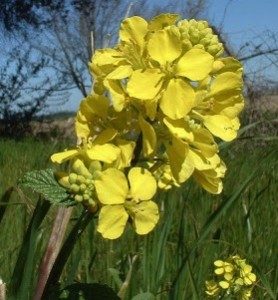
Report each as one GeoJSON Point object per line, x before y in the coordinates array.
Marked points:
{"type": "Point", "coordinates": [44, 182]}
{"type": "Point", "coordinates": [144, 296]}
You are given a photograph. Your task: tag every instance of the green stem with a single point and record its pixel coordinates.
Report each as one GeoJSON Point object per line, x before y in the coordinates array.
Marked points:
{"type": "Point", "coordinates": [65, 252]}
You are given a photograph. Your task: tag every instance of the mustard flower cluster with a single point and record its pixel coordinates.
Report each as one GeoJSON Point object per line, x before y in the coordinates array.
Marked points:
{"type": "Point", "coordinates": [233, 277]}
{"type": "Point", "coordinates": [160, 98]}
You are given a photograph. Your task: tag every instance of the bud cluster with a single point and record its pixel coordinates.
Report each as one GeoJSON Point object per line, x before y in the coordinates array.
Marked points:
{"type": "Point", "coordinates": [198, 34]}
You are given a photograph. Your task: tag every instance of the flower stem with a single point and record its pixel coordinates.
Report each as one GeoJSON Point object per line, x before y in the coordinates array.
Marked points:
{"type": "Point", "coordinates": [52, 250]}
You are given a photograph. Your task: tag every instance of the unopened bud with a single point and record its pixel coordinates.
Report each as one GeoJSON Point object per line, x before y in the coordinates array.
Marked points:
{"type": "Point", "coordinates": [78, 198]}
{"type": "Point", "coordinates": [74, 187]}
{"type": "Point", "coordinates": [72, 178]}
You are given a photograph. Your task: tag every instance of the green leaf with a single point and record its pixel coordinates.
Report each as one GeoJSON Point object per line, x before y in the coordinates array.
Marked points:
{"type": "Point", "coordinates": [115, 277]}
{"type": "Point", "coordinates": [44, 182]}
{"type": "Point", "coordinates": [144, 296]}
{"type": "Point", "coordinates": [25, 266]}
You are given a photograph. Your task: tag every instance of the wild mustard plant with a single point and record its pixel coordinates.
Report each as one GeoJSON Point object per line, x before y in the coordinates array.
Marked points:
{"type": "Point", "coordinates": [233, 277]}
{"type": "Point", "coordinates": [159, 99]}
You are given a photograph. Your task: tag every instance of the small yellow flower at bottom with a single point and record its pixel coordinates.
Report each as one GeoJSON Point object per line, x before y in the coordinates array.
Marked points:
{"type": "Point", "coordinates": [233, 277]}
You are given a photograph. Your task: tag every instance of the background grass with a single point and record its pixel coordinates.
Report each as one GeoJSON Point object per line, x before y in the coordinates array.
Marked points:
{"type": "Point", "coordinates": [195, 228]}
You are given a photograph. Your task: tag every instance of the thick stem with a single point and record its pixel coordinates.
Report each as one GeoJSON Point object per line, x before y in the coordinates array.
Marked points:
{"type": "Point", "coordinates": [2, 290]}
{"type": "Point", "coordinates": [65, 252]}
{"type": "Point", "coordinates": [54, 244]}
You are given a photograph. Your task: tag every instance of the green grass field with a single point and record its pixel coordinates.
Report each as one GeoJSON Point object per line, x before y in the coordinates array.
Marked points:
{"type": "Point", "coordinates": [195, 229]}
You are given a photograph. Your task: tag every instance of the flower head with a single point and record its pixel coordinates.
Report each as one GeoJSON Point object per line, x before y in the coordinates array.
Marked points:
{"type": "Point", "coordinates": [233, 277]}
{"type": "Point", "coordinates": [161, 99]}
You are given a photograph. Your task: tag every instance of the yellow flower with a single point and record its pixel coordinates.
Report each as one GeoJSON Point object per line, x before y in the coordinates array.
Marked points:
{"type": "Point", "coordinates": [117, 154]}
{"type": "Point", "coordinates": [219, 107]}
{"type": "Point", "coordinates": [91, 116]}
{"type": "Point", "coordinates": [245, 271]}
{"type": "Point", "coordinates": [210, 178]}
{"type": "Point", "coordinates": [212, 288]}
{"type": "Point", "coordinates": [234, 278]}
{"type": "Point", "coordinates": [103, 152]}
{"type": "Point", "coordinates": [166, 79]}
{"type": "Point", "coordinates": [122, 198]}
{"type": "Point", "coordinates": [165, 178]}
{"type": "Point", "coordinates": [152, 74]}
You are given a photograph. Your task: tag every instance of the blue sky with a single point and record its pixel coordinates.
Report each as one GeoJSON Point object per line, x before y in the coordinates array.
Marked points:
{"type": "Point", "coordinates": [245, 18]}
{"type": "Point", "coordinates": [246, 14]}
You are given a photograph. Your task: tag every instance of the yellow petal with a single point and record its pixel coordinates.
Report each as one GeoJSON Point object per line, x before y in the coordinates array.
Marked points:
{"type": "Point", "coordinates": [199, 161]}
{"type": "Point", "coordinates": [164, 46]}
{"type": "Point", "coordinates": [145, 84]}
{"type": "Point", "coordinates": [178, 99]}
{"type": "Point", "coordinates": [82, 127]}
{"type": "Point", "coordinates": [231, 65]}
{"type": "Point", "coordinates": [204, 141]}
{"type": "Point", "coordinates": [112, 221]}
{"type": "Point", "coordinates": [195, 64]}
{"type": "Point", "coordinates": [120, 72]}
{"type": "Point", "coordinates": [142, 184]}
{"type": "Point", "coordinates": [149, 137]}
{"type": "Point", "coordinates": [151, 108]}
{"type": "Point", "coordinates": [181, 165]}
{"type": "Point", "coordinates": [94, 105]}
{"type": "Point", "coordinates": [118, 94]}
{"type": "Point", "coordinates": [225, 83]}
{"type": "Point", "coordinates": [105, 136]}
{"type": "Point", "coordinates": [220, 126]}
{"type": "Point", "coordinates": [127, 148]}
{"type": "Point", "coordinates": [161, 21]}
{"type": "Point", "coordinates": [224, 284]}
{"type": "Point", "coordinates": [209, 181]}
{"type": "Point", "coordinates": [230, 107]}
{"type": "Point", "coordinates": [219, 263]}
{"type": "Point", "coordinates": [145, 216]}
{"type": "Point", "coordinates": [106, 153]}
{"type": "Point", "coordinates": [111, 187]}
{"type": "Point", "coordinates": [107, 56]}
{"type": "Point", "coordinates": [61, 157]}
{"type": "Point", "coordinates": [179, 128]}
{"type": "Point", "coordinates": [134, 30]}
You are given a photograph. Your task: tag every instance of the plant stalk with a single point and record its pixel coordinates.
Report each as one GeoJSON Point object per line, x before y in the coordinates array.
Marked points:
{"type": "Point", "coordinates": [54, 244]}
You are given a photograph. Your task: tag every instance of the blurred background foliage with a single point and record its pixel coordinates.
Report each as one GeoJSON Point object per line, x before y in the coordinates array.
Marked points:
{"type": "Point", "coordinates": [43, 65]}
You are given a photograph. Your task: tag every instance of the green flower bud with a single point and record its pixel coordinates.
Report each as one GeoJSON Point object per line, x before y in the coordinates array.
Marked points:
{"type": "Point", "coordinates": [72, 178]}
{"type": "Point", "coordinates": [79, 167]}
{"type": "Point", "coordinates": [95, 166]}
{"type": "Point", "coordinates": [96, 174]}
{"type": "Point", "coordinates": [78, 198]}
{"type": "Point", "coordinates": [88, 181]}
{"type": "Point", "coordinates": [80, 179]}
{"type": "Point", "coordinates": [74, 187]}
{"type": "Point", "coordinates": [63, 179]}
{"type": "Point", "coordinates": [86, 197]}
{"type": "Point", "coordinates": [82, 187]}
